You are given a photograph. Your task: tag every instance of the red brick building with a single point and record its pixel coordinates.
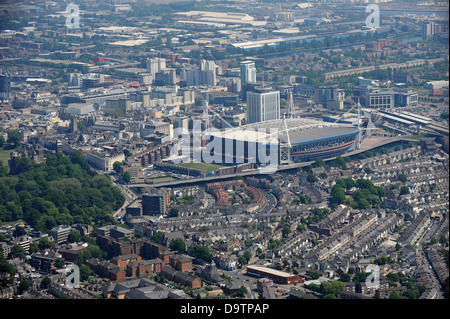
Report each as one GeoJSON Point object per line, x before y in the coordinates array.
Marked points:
{"type": "Point", "coordinates": [277, 276]}
{"type": "Point", "coordinates": [144, 267]}
{"type": "Point", "coordinates": [123, 260]}
{"type": "Point", "coordinates": [181, 278]}
{"type": "Point", "coordinates": [182, 263]}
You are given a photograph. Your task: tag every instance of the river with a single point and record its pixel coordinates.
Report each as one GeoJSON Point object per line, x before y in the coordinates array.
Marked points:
{"type": "Point", "coordinates": [344, 47]}
{"type": "Point", "coordinates": [398, 12]}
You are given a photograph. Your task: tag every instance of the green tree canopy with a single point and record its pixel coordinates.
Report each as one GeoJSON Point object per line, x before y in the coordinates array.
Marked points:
{"type": "Point", "coordinates": [201, 252]}
{"type": "Point", "coordinates": [178, 244]}
{"type": "Point", "coordinates": [332, 288]}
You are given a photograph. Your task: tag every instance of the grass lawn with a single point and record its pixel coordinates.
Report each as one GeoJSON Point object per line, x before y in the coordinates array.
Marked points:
{"type": "Point", "coordinates": [4, 156]}
{"type": "Point", "coordinates": [5, 224]}
{"type": "Point", "coordinates": [206, 166]}
{"type": "Point", "coordinates": [161, 179]}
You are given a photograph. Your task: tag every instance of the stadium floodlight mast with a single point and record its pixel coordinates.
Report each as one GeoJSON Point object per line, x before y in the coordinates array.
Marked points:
{"type": "Point", "coordinates": [206, 111]}
{"type": "Point", "coordinates": [360, 129]}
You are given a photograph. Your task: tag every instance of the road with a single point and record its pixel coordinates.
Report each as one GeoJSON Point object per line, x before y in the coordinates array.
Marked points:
{"type": "Point", "coordinates": [249, 282]}
{"type": "Point", "coordinates": [271, 202]}
{"type": "Point", "coordinates": [368, 144]}
{"type": "Point", "coordinates": [129, 197]}
{"type": "Point", "coordinates": [424, 262]}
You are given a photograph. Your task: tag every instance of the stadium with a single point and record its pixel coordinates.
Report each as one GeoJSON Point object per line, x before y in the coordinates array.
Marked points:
{"type": "Point", "coordinates": [296, 140]}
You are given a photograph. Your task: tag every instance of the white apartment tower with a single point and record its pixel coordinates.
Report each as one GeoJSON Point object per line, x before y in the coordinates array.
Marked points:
{"type": "Point", "coordinates": [205, 75]}
{"type": "Point", "coordinates": [155, 65]}
{"type": "Point", "coordinates": [263, 104]}
{"type": "Point", "coordinates": [248, 72]}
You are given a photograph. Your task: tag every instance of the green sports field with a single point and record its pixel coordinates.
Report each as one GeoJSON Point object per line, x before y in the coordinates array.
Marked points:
{"type": "Point", "coordinates": [160, 179]}
{"type": "Point", "coordinates": [205, 166]}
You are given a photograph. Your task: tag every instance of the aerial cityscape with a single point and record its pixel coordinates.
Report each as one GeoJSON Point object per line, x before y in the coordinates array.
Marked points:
{"type": "Point", "coordinates": [224, 150]}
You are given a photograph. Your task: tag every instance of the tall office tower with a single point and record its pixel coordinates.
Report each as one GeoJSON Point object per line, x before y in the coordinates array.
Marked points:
{"type": "Point", "coordinates": [155, 65]}
{"type": "Point", "coordinates": [263, 104]}
{"type": "Point", "coordinates": [428, 29]}
{"type": "Point", "coordinates": [156, 203]}
{"type": "Point", "coordinates": [330, 97]}
{"type": "Point", "coordinates": [5, 86]}
{"type": "Point", "coordinates": [74, 124]}
{"type": "Point", "coordinates": [208, 72]}
{"type": "Point", "coordinates": [233, 84]}
{"type": "Point", "coordinates": [191, 76]}
{"type": "Point", "coordinates": [248, 72]}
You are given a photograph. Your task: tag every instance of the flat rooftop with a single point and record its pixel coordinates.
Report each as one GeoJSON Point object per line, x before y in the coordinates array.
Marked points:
{"type": "Point", "coordinates": [319, 133]}
{"type": "Point", "coordinates": [300, 130]}
{"type": "Point", "coordinates": [269, 271]}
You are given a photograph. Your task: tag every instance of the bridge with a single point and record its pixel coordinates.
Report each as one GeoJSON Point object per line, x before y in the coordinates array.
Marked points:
{"type": "Point", "coordinates": [368, 144]}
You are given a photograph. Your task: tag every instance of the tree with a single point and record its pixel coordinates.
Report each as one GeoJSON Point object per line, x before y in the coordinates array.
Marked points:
{"type": "Point", "coordinates": [91, 251]}
{"type": "Point", "coordinates": [157, 237]}
{"type": "Point", "coordinates": [18, 251]}
{"type": "Point", "coordinates": [178, 244]}
{"type": "Point", "coordinates": [349, 183]}
{"type": "Point", "coordinates": [6, 267]}
{"type": "Point", "coordinates": [201, 252]}
{"type": "Point", "coordinates": [173, 212]}
{"type": "Point", "coordinates": [59, 191]}
{"type": "Point", "coordinates": [117, 166]}
{"type": "Point", "coordinates": [13, 138]}
{"type": "Point", "coordinates": [363, 204]}
{"type": "Point", "coordinates": [59, 263]}
{"type": "Point", "coordinates": [364, 183]}
{"type": "Point", "coordinates": [319, 162]}
{"type": "Point", "coordinates": [360, 277]}
{"type": "Point", "coordinates": [402, 178]}
{"type": "Point", "coordinates": [241, 293]}
{"type": "Point", "coordinates": [312, 178]}
{"type": "Point", "coordinates": [74, 236]}
{"type": "Point", "coordinates": [286, 231]}
{"type": "Point", "coordinates": [393, 277]}
{"type": "Point", "coordinates": [395, 295]}
{"type": "Point", "coordinates": [44, 243]}
{"type": "Point", "coordinates": [20, 165]}
{"type": "Point", "coordinates": [247, 255]}
{"type": "Point", "coordinates": [301, 228]}
{"type": "Point", "coordinates": [3, 170]}
{"type": "Point", "coordinates": [126, 177]}
{"type": "Point", "coordinates": [404, 190]}
{"type": "Point", "coordinates": [384, 150]}
{"type": "Point", "coordinates": [332, 288]}
{"type": "Point", "coordinates": [45, 282]}
{"type": "Point", "coordinates": [345, 277]}
{"type": "Point", "coordinates": [337, 195]}
{"type": "Point", "coordinates": [242, 260]}
{"type": "Point", "coordinates": [85, 272]}
{"type": "Point", "coordinates": [24, 285]}
{"type": "Point", "coordinates": [315, 275]}
{"type": "Point", "coordinates": [77, 158]}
